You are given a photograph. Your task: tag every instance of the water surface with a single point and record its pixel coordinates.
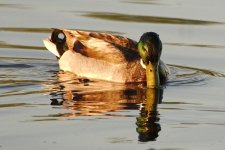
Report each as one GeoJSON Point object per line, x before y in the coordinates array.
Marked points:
{"type": "Point", "coordinates": [44, 108]}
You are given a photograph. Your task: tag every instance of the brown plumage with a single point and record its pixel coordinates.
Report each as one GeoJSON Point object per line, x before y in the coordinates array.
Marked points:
{"type": "Point", "coordinates": [98, 55]}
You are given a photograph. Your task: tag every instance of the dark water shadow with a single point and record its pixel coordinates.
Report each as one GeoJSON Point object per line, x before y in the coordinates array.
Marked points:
{"type": "Point", "coordinates": [145, 2]}
{"type": "Point", "coordinates": [15, 65]}
{"type": "Point", "coordinates": [48, 30]}
{"type": "Point", "coordinates": [15, 6]}
{"type": "Point", "coordinates": [145, 19]}
{"type": "Point", "coordinates": [13, 105]}
{"type": "Point", "coordinates": [16, 46]}
{"type": "Point", "coordinates": [24, 58]}
{"type": "Point", "coordinates": [196, 45]}
{"type": "Point", "coordinates": [26, 30]}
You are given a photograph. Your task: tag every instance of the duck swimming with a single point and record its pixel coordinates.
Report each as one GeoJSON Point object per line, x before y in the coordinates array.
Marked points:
{"type": "Point", "coordinates": [109, 57]}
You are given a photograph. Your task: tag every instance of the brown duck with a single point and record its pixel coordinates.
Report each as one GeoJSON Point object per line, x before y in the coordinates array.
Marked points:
{"type": "Point", "coordinates": [109, 57]}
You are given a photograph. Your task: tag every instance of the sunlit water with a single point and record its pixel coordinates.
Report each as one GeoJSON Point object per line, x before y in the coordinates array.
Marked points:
{"type": "Point", "coordinates": [44, 108]}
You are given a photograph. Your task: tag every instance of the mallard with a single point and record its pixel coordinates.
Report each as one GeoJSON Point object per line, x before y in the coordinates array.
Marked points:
{"type": "Point", "coordinates": [109, 57]}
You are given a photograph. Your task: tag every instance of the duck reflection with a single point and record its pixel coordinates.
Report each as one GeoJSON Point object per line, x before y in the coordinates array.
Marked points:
{"type": "Point", "coordinates": [99, 98]}
{"type": "Point", "coordinates": [147, 122]}
{"type": "Point", "coordinates": [99, 103]}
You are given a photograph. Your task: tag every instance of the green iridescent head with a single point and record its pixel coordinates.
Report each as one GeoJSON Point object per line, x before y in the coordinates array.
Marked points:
{"type": "Point", "coordinates": [150, 49]}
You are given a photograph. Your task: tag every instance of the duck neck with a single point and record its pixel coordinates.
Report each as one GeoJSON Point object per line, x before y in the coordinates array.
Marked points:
{"type": "Point", "coordinates": [152, 75]}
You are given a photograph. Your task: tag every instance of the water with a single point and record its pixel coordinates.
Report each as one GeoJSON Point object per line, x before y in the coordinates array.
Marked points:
{"type": "Point", "coordinates": [44, 108]}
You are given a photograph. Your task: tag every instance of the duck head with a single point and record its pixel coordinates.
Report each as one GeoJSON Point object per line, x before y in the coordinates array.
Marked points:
{"type": "Point", "coordinates": [150, 49]}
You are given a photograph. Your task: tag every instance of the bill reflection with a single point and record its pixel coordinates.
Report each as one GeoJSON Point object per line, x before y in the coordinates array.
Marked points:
{"type": "Point", "coordinates": [147, 123]}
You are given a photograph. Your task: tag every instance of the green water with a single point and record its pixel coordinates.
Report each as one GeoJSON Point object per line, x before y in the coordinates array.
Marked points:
{"type": "Point", "coordinates": [44, 108]}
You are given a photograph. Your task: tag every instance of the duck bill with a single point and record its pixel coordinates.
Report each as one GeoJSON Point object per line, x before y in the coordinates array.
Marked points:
{"type": "Point", "coordinates": [152, 76]}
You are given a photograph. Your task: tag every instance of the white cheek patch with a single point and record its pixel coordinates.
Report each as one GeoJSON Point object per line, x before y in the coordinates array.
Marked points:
{"type": "Point", "coordinates": [142, 64]}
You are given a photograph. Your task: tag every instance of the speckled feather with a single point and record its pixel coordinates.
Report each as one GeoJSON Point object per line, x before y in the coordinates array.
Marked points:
{"type": "Point", "coordinates": [102, 46]}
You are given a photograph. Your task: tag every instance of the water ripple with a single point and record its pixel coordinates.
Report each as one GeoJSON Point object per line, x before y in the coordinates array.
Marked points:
{"type": "Point", "coordinates": [146, 19]}
{"type": "Point", "coordinates": [48, 30]}
{"type": "Point", "coordinates": [15, 78]}
{"type": "Point", "coordinates": [15, 66]}
{"type": "Point", "coordinates": [151, 2]}
{"type": "Point", "coordinates": [26, 30]}
{"type": "Point", "coordinates": [100, 98]}
{"type": "Point", "coordinates": [22, 76]}
{"type": "Point", "coordinates": [17, 46]}
{"type": "Point", "coordinates": [13, 105]}
{"type": "Point", "coordinates": [17, 6]}
{"type": "Point", "coordinates": [196, 45]}
{"type": "Point", "coordinates": [184, 75]}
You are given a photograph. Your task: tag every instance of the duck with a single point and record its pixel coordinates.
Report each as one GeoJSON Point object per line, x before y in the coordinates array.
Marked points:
{"type": "Point", "coordinates": [104, 56]}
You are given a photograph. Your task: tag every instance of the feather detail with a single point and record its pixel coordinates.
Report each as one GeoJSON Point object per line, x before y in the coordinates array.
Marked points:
{"type": "Point", "coordinates": [101, 46]}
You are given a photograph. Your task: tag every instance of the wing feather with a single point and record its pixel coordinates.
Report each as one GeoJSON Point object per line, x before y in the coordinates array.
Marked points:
{"type": "Point", "coordinates": [103, 46]}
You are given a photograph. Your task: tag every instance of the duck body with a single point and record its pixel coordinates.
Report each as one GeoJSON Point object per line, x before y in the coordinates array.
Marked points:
{"type": "Point", "coordinates": [100, 69]}
{"type": "Point", "coordinates": [99, 56]}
